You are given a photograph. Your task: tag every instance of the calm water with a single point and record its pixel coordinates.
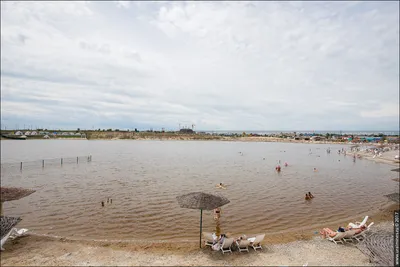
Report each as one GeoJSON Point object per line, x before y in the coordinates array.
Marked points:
{"type": "Point", "coordinates": [144, 177]}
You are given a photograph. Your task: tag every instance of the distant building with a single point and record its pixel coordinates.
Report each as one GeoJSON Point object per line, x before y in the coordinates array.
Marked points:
{"type": "Point", "coordinates": [186, 131]}
{"type": "Point", "coordinates": [317, 138]}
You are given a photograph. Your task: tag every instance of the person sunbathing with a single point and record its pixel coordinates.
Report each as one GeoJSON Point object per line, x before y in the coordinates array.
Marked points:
{"type": "Point", "coordinates": [328, 232]}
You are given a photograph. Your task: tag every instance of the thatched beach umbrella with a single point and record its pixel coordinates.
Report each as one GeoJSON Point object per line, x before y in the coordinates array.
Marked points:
{"type": "Point", "coordinates": [378, 247]}
{"type": "Point", "coordinates": [394, 197]}
{"type": "Point", "coordinates": [7, 223]}
{"type": "Point", "coordinates": [13, 193]}
{"type": "Point", "coordinates": [201, 201]}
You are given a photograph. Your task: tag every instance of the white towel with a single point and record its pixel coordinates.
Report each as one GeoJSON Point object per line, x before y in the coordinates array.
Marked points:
{"type": "Point", "coordinates": [251, 239]}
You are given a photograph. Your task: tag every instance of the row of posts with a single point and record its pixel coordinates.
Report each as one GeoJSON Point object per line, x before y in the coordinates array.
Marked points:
{"type": "Point", "coordinates": [89, 159]}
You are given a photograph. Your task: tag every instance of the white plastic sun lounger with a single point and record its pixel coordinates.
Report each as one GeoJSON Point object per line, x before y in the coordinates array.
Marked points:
{"type": "Point", "coordinates": [359, 224]}
{"type": "Point", "coordinates": [349, 236]}
{"type": "Point", "coordinates": [243, 245]}
{"type": "Point", "coordinates": [12, 234]}
{"type": "Point", "coordinates": [226, 245]}
{"type": "Point", "coordinates": [361, 236]}
{"type": "Point", "coordinates": [209, 239]}
{"type": "Point", "coordinates": [255, 241]}
{"type": "Point", "coordinates": [337, 238]}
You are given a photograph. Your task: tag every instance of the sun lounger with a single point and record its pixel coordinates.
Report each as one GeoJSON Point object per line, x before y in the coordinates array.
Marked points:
{"type": "Point", "coordinates": [349, 235]}
{"type": "Point", "coordinates": [226, 245]}
{"type": "Point", "coordinates": [360, 236]}
{"type": "Point", "coordinates": [359, 224]}
{"type": "Point", "coordinates": [7, 228]}
{"type": "Point", "coordinates": [338, 238]}
{"type": "Point", "coordinates": [255, 241]}
{"type": "Point", "coordinates": [243, 245]}
{"type": "Point", "coordinates": [209, 239]}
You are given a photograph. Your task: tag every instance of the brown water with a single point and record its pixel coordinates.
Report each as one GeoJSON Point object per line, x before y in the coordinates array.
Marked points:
{"type": "Point", "coordinates": [143, 179]}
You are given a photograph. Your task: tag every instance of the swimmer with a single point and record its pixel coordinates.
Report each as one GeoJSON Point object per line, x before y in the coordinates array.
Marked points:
{"type": "Point", "coordinates": [221, 186]}
{"type": "Point", "coordinates": [310, 195]}
{"type": "Point", "coordinates": [315, 169]}
{"type": "Point", "coordinates": [278, 168]}
{"type": "Point", "coordinates": [286, 164]}
{"type": "Point", "coordinates": [307, 197]}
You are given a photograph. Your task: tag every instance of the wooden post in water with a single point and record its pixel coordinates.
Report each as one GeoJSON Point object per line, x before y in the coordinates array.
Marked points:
{"type": "Point", "coordinates": [61, 161]}
{"type": "Point", "coordinates": [21, 166]}
{"type": "Point", "coordinates": [77, 161]}
{"type": "Point", "coordinates": [42, 163]}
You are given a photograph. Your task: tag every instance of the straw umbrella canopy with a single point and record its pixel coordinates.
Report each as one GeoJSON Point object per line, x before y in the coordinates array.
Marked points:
{"type": "Point", "coordinates": [13, 193]}
{"type": "Point", "coordinates": [201, 201]}
{"type": "Point", "coordinates": [7, 223]}
{"type": "Point", "coordinates": [394, 197]}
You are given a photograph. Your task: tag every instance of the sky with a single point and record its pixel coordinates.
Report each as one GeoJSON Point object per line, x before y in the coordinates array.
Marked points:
{"type": "Point", "coordinates": [218, 65]}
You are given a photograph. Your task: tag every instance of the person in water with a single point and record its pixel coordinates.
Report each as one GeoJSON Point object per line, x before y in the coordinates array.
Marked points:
{"type": "Point", "coordinates": [278, 168]}
{"type": "Point", "coordinates": [307, 197]}
{"type": "Point", "coordinates": [315, 169]}
{"type": "Point", "coordinates": [217, 213]}
{"type": "Point", "coordinates": [286, 164]}
{"type": "Point", "coordinates": [220, 185]}
{"type": "Point", "coordinates": [310, 195]}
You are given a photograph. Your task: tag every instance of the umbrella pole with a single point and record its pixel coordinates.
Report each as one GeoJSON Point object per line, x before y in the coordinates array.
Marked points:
{"type": "Point", "coordinates": [201, 223]}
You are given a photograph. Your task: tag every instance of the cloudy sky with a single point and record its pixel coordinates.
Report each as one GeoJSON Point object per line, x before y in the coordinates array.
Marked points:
{"type": "Point", "coordinates": [218, 65]}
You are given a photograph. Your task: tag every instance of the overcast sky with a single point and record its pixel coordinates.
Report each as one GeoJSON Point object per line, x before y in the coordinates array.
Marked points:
{"type": "Point", "coordinates": [218, 65]}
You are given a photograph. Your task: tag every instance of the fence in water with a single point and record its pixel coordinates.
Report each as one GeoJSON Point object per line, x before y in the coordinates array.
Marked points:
{"type": "Point", "coordinates": [45, 163]}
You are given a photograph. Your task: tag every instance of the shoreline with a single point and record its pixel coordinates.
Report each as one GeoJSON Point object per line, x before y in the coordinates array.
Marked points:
{"type": "Point", "coordinates": [279, 249]}
{"type": "Point", "coordinates": [43, 251]}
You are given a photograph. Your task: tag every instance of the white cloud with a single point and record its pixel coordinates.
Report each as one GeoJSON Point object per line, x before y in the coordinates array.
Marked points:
{"type": "Point", "coordinates": [225, 65]}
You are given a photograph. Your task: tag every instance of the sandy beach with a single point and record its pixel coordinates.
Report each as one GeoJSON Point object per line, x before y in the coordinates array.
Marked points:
{"type": "Point", "coordinates": [33, 250]}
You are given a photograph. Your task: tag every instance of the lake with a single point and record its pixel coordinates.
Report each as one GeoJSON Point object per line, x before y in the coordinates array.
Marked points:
{"type": "Point", "coordinates": [143, 179]}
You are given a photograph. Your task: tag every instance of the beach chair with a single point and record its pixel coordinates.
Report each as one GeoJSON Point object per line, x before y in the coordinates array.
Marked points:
{"type": "Point", "coordinates": [360, 236]}
{"type": "Point", "coordinates": [359, 224]}
{"type": "Point", "coordinates": [209, 239]}
{"type": "Point", "coordinates": [226, 245]}
{"type": "Point", "coordinates": [243, 245]}
{"type": "Point", "coordinates": [349, 236]}
{"type": "Point", "coordinates": [338, 238]}
{"type": "Point", "coordinates": [255, 241]}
